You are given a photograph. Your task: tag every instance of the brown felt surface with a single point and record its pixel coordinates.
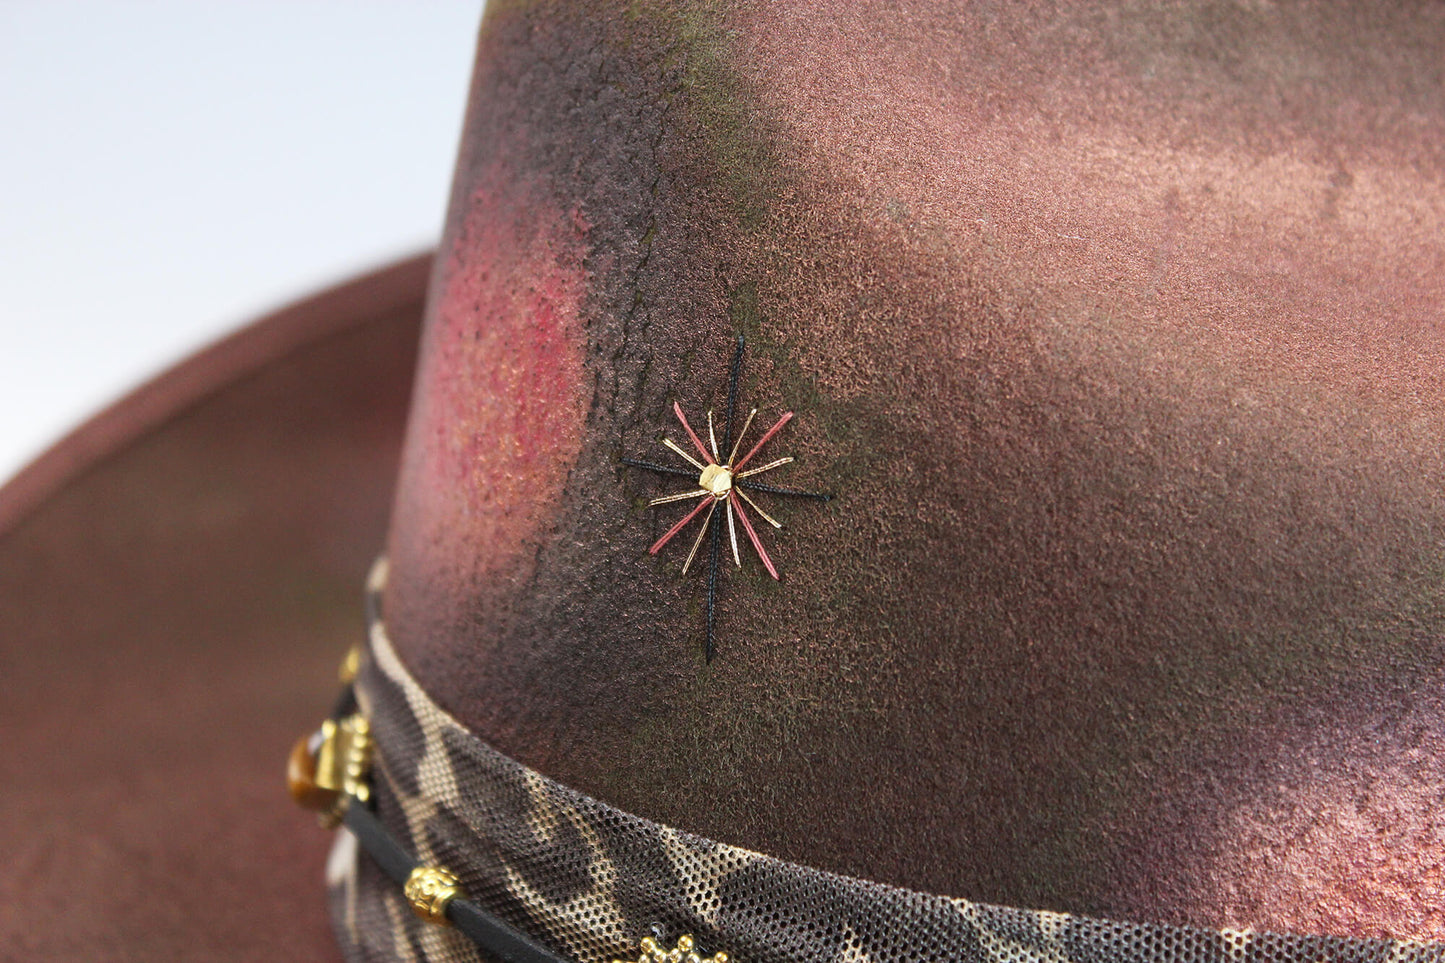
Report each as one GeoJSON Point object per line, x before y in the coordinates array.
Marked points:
{"type": "Point", "coordinates": [1118, 330]}
{"type": "Point", "coordinates": [173, 603]}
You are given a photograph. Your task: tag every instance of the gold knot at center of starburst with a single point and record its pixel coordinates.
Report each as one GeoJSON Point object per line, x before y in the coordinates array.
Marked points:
{"type": "Point", "coordinates": [717, 480]}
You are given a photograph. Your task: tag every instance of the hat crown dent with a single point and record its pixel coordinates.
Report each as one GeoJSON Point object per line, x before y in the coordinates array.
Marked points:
{"type": "Point", "coordinates": [1128, 398]}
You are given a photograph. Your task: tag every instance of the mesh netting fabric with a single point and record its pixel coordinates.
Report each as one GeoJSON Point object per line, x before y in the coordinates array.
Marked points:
{"type": "Point", "coordinates": [590, 881]}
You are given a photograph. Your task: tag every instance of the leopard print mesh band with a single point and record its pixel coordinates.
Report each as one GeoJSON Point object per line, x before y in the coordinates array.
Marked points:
{"type": "Point", "coordinates": [590, 882]}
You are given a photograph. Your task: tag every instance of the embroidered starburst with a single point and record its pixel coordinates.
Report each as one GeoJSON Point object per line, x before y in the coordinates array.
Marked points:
{"type": "Point", "coordinates": [722, 483]}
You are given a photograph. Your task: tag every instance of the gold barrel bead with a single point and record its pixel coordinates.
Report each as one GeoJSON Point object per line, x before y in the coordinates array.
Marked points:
{"type": "Point", "coordinates": [429, 890]}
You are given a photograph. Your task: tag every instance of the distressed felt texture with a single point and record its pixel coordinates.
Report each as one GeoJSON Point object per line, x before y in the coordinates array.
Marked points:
{"type": "Point", "coordinates": [1116, 328]}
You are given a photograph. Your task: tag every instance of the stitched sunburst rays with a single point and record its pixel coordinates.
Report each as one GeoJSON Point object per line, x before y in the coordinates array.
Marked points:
{"type": "Point", "coordinates": [722, 484]}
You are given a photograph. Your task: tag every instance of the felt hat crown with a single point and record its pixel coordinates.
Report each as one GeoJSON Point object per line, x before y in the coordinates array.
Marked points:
{"type": "Point", "coordinates": [1114, 334]}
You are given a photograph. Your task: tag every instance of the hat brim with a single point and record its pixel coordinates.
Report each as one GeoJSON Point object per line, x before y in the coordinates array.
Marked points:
{"type": "Point", "coordinates": [178, 581]}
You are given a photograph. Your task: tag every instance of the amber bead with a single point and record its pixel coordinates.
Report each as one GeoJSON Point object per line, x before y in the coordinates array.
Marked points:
{"type": "Point", "coordinates": [301, 779]}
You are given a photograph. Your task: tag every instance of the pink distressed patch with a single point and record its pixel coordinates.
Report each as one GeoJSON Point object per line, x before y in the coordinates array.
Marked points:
{"type": "Point", "coordinates": [500, 398]}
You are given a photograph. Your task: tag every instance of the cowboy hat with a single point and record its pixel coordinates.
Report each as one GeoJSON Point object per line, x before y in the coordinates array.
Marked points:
{"type": "Point", "coordinates": [1112, 334]}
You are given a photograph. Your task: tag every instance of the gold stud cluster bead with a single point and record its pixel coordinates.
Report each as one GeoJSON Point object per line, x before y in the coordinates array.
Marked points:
{"type": "Point", "coordinates": [429, 890]}
{"type": "Point", "coordinates": [684, 952]}
{"type": "Point", "coordinates": [332, 766]}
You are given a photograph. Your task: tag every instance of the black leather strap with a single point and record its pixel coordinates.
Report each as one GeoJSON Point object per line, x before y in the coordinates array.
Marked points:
{"type": "Point", "coordinates": [487, 931]}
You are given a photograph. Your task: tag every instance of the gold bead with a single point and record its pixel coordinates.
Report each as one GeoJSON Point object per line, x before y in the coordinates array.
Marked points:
{"type": "Point", "coordinates": [685, 951]}
{"type": "Point", "coordinates": [350, 665]}
{"type": "Point", "coordinates": [328, 769]}
{"type": "Point", "coordinates": [429, 890]}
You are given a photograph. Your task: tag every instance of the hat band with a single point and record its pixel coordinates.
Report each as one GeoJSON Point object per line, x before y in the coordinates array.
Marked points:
{"type": "Point", "coordinates": [591, 883]}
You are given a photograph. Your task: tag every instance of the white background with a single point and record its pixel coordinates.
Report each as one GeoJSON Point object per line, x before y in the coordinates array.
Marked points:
{"type": "Point", "coordinates": [170, 170]}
